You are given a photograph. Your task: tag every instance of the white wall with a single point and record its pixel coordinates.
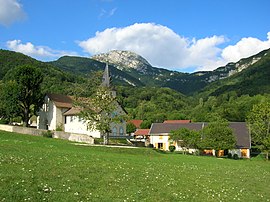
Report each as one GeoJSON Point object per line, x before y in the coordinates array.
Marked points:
{"type": "Point", "coordinates": [155, 139]}
{"type": "Point", "coordinates": [75, 125]}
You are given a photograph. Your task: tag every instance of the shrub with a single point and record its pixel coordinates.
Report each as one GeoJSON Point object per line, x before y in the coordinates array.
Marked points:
{"type": "Point", "coordinates": [3, 121]}
{"type": "Point", "coordinates": [59, 127]}
{"type": "Point", "coordinates": [98, 141]}
{"type": "Point", "coordinates": [197, 153]}
{"type": "Point", "coordinates": [235, 156]}
{"type": "Point", "coordinates": [150, 146]}
{"type": "Point", "coordinates": [229, 155]}
{"type": "Point", "coordinates": [171, 148]}
{"type": "Point", "coordinates": [48, 134]}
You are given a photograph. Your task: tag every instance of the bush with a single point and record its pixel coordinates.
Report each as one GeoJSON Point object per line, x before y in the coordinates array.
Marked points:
{"type": "Point", "coordinates": [3, 121]}
{"type": "Point", "coordinates": [235, 156]}
{"type": "Point", "coordinates": [48, 134]}
{"type": "Point", "coordinates": [230, 155]}
{"type": "Point", "coordinates": [197, 153]}
{"type": "Point", "coordinates": [171, 148]}
{"type": "Point", "coordinates": [59, 127]}
{"type": "Point", "coordinates": [98, 141]}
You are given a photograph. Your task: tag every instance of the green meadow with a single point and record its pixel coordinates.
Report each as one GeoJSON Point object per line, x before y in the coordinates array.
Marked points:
{"type": "Point", "coordinates": [43, 169]}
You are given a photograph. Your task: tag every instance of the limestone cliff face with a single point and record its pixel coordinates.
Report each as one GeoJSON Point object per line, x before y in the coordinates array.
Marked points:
{"type": "Point", "coordinates": [123, 60]}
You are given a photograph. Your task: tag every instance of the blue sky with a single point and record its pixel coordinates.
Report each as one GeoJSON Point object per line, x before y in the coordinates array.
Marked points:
{"type": "Point", "coordinates": [182, 35]}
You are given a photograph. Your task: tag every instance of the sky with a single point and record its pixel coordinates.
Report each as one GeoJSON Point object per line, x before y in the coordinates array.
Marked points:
{"type": "Point", "coordinates": [180, 35]}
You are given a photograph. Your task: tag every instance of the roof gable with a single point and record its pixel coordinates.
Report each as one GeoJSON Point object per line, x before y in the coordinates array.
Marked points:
{"type": "Point", "coordinates": [137, 123]}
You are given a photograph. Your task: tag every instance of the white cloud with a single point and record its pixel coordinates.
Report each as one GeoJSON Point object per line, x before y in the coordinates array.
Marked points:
{"type": "Point", "coordinates": [10, 11]}
{"type": "Point", "coordinates": [163, 47]}
{"type": "Point", "coordinates": [245, 48]}
{"type": "Point", "coordinates": [38, 52]}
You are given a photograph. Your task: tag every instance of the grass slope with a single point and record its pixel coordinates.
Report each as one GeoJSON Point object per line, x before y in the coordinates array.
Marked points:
{"type": "Point", "coordinates": [40, 169]}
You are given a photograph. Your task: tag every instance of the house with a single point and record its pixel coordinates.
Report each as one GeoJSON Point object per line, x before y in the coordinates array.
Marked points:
{"type": "Point", "coordinates": [160, 132]}
{"type": "Point", "coordinates": [59, 113]}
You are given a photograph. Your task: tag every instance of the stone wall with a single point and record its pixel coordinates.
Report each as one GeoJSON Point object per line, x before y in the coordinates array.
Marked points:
{"type": "Point", "coordinates": [73, 137]}
{"type": "Point", "coordinates": [56, 134]}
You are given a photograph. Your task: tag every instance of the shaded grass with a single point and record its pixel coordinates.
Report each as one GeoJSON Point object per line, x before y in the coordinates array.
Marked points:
{"type": "Point", "coordinates": [42, 169]}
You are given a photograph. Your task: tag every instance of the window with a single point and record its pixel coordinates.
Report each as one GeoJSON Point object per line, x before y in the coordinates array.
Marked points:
{"type": "Point", "coordinates": [121, 131]}
{"type": "Point", "coordinates": [114, 131]}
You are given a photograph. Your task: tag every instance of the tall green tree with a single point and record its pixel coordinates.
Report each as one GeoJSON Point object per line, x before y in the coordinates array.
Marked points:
{"type": "Point", "coordinates": [131, 128]}
{"type": "Point", "coordinates": [218, 136]}
{"type": "Point", "coordinates": [259, 122]}
{"type": "Point", "coordinates": [187, 138]}
{"type": "Point", "coordinates": [21, 94]}
{"type": "Point", "coordinates": [100, 111]}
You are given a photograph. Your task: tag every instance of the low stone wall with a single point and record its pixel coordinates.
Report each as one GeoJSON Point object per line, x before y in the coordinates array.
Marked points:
{"type": "Point", "coordinates": [56, 134]}
{"type": "Point", "coordinates": [22, 130]}
{"type": "Point", "coordinates": [73, 137]}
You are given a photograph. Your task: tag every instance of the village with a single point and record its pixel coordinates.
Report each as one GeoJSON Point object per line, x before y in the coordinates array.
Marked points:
{"type": "Point", "coordinates": [58, 113]}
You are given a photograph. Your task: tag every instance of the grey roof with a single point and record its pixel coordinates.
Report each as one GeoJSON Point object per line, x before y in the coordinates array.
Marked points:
{"type": "Point", "coordinates": [168, 127]}
{"type": "Point", "coordinates": [242, 134]}
{"type": "Point", "coordinates": [240, 130]}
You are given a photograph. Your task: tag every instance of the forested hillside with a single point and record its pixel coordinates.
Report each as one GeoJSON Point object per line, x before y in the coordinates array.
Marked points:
{"type": "Point", "coordinates": [56, 80]}
{"type": "Point", "coordinates": [155, 97]}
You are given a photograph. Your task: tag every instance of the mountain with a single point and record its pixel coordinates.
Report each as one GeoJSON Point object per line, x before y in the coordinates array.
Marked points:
{"type": "Point", "coordinates": [139, 68]}
{"type": "Point", "coordinates": [84, 66]}
{"type": "Point", "coordinates": [247, 76]}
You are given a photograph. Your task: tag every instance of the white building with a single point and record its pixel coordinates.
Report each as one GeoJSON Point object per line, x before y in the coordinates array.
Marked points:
{"type": "Point", "coordinates": [59, 113]}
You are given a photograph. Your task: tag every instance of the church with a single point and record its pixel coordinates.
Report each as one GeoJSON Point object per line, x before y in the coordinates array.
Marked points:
{"type": "Point", "coordinates": [59, 113]}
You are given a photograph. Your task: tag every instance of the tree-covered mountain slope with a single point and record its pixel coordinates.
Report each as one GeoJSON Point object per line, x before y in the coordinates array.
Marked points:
{"type": "Point", "coordinates": [252, 80]}
{"type": "Point", "coordinates": [139, 68]}
{"type": "Point", "coordinates": [247, 76]}
{"type": "Point", "coordinates": [55, 79]}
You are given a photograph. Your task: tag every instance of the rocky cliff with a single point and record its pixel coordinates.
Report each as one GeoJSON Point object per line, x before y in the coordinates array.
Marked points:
{"type": "Point", "coordinates": [124, 60]}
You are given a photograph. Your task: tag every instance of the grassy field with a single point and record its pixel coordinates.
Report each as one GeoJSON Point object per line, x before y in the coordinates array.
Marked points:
{"type": "Point", "coordinates": [43, 169]}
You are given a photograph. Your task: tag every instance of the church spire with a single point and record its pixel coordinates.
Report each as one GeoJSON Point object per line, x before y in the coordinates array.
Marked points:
{"type": "Point", "coordinates": [106, 80]}
{"type": "Point", "coordinates": [106, 77]}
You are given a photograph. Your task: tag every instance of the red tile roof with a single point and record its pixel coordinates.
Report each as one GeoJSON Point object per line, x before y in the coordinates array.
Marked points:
{"type": "Point", "coordinates": [137, 123]}
{"type": "Point", "coordinates": [142, 132]}
{"type": "Point", "coordinates": [177, 121]}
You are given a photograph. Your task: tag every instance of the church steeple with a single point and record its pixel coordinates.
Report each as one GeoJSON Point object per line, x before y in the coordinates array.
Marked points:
{"type": "Point", "coordinates": [106, 77]}
{"type": "Point", "coordinates": [106, 80]}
